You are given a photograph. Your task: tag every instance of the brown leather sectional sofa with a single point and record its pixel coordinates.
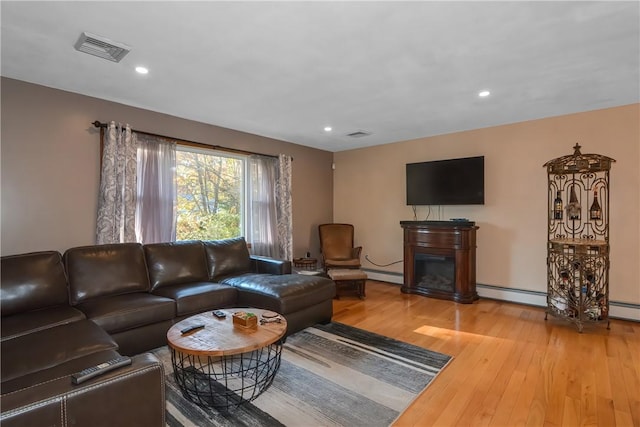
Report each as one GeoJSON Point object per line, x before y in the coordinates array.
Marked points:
{"type": "Point", "coordinates": [61, 314]}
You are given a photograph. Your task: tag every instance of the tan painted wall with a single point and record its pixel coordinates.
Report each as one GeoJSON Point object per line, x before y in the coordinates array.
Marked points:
{"type": "Point", "coordinates": [369, 192]}
{"type": "Point", "coordinates": [50, 166]}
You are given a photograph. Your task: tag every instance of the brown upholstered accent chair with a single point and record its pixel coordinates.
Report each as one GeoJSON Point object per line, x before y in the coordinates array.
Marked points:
{"type": "Point", "coordinates": [336, 246]}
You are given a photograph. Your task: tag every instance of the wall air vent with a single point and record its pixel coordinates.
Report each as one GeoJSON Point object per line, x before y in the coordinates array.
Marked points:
{"type": "Point", "coordinates": [359, 134]}
{"type": "Point", "coordinates": [101, 47]}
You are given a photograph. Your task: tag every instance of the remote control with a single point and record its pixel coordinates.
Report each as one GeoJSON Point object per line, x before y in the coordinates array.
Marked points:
{"type": "Point", "coordinates": [102, 368]}
{"type": "Point", "coordinates": [219, 314]}
{"type": "Point", "coordinates": [191, 328]}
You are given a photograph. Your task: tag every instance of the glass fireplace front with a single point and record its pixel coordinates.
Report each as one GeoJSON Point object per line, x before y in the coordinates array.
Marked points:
{"type": "Point", "coordinates": [435, 272]}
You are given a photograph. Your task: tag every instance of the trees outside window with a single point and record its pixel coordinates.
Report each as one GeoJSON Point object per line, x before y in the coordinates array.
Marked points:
{"type": "Point", "coordinates": [210, 194]}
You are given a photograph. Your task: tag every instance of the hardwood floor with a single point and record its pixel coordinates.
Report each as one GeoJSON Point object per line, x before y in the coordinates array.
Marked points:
{"type": "Point", "coordinates": [510, 366]}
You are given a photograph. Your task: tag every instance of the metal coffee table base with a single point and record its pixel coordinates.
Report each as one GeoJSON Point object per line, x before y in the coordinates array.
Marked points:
{"type": "Point", "coordinates": [226, 382]}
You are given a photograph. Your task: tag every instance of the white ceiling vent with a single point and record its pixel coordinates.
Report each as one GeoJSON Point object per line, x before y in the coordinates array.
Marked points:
{"type": "Point", "coordinates": [101, 47]}
{"type": "Point", "coordinates": [359, 134]}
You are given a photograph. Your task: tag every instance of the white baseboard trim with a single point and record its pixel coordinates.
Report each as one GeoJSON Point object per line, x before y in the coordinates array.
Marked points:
{"type": "Point", "coordinates": [385, 276]}
{"type": "Point", "coordinates": [624, 311]}
{"type": "Point", "coordinates": [617, 310]}
{"type": "Point", "coordinates": [538, 299]}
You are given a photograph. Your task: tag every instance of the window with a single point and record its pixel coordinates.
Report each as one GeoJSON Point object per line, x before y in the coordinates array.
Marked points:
{"type": "Point", "coordinates": [210, 197]}
{"type": "Point", "coordinates": [156, 189]}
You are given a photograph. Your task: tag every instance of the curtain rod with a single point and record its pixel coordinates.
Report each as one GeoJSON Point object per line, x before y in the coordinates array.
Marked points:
{"type": "Point", "coordinates": [190, 143]}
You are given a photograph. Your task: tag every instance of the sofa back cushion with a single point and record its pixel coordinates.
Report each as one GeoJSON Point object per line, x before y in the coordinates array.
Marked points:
{"type": "Point", "coordinates": [105, 270]}
{"type": "Point", "coordinates": [32, 281]}
{"type": "Point", "coordinates": [175, 263]}
{"type": "Point", "coordinates": [227, 257]}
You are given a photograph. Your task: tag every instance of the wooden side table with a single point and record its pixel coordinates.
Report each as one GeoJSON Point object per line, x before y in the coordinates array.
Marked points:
{"type": "Point", "coordinates": [305, 263]}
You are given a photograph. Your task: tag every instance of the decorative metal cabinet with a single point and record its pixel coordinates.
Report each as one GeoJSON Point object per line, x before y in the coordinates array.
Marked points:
{"type": "Point", "coordinates": [578, 238]}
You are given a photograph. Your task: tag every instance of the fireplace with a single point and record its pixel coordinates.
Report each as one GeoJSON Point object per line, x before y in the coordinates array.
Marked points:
{"type": "Point", "coordinates": [440, 259]}
{"type": "Point", "coordinates": [434, 272]}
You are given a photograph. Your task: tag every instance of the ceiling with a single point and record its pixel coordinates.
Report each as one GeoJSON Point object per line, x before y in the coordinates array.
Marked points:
{"type": "Point", "coordinates": [285, 70]}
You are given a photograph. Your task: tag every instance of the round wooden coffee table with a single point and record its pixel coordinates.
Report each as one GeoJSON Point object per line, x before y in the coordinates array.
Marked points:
{"type": "Point", "coordinates": [224, 365]}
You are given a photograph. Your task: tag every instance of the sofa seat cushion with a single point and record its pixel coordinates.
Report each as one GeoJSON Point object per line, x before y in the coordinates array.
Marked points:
{"type": "Point", "coordinates": [286, 293]}
{"type": "Point", "coordinates": [122, 312]}
{"type": "Point", "coordinates": [343, 263]}
{"type": "Point", "coordinates": [197, 297]}
{"type": "Point", "coordinates": [36, 320]}
{"type": "Point", "coordinates": [51, 347]}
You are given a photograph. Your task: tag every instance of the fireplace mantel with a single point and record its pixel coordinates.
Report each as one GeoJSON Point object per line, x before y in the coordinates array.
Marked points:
{"type": "Point", "coordinates": [430, 245]}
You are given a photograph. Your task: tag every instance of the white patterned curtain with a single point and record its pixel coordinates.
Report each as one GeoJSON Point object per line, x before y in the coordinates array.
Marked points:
{"type": "Point", "coordinates": [117, 196]}
{"type": "Point", "coordinates": [283, 202]}
{"type": "Point", "coordinates": [155, 207]}
{"type": "Point", "coordinates": [262, 210]}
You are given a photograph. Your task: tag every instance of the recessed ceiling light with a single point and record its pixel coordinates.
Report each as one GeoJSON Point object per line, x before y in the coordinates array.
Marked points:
{"type": "Point", "coordinates": [142, 70]}
{"type": "Point", "coordinates": [328, 128]}
{"type": "Point", "coordinates": [484, 93]}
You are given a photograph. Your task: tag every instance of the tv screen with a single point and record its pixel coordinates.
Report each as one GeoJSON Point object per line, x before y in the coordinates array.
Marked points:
{"type": "Point", "coordinates": [446, 182]}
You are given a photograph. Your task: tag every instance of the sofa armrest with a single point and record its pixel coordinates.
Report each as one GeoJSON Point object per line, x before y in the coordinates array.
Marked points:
{"type": "Point", "coordinates": [261, 264]}
{"type": "Point", "coordinates": [132, 395]}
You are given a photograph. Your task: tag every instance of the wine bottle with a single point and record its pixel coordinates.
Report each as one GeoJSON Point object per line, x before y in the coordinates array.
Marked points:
{"type": "Point", "coordinates": [573, 207]}
{"type": "Point", "coordinates": [557, 206]}
{"type": "Point", "coordinates": [595, 211]}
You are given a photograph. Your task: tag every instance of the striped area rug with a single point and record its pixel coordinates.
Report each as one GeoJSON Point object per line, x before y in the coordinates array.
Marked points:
{"type": "Point", "coordinates": [330, 375]}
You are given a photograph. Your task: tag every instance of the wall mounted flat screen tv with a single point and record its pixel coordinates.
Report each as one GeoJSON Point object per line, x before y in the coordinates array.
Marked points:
{"type": "Point", "coordinates": [446, 182]}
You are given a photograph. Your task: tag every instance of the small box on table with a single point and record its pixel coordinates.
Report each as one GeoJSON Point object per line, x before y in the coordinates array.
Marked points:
{"type": "Point", "coordinates": [244, 319]}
